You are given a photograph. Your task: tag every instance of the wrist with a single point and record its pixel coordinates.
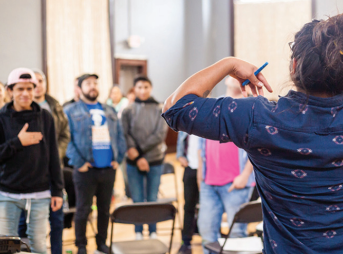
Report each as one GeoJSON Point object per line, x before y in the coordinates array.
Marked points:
{"type": "Point", "coordinates": [244, 175]}
{"type": "Point", "coordinates": [17, 142]}
{"type": "Point", "coordinates": [139, 150]}
{"type": "Point", "coordinates": [230, 64]}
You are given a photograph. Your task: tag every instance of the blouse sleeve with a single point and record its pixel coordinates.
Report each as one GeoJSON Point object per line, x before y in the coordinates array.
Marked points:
{"type": "Point", "coordinates": [224, 119]}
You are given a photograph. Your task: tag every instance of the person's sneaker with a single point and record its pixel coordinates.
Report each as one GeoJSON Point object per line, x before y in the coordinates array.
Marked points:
{"type": "Point", "coordinates": [185, 249]}
{"type": "Point", "coordinates": [139, 236]}
{"type": "Point", "coordinates": [82, 250]}
{"type": "Point", "coordinates": [153, 235]}
{"type": "Point", "coordinates": [103, 248]}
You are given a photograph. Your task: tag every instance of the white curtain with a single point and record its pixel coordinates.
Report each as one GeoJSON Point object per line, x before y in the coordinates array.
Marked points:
{"type": "Point", "coordinates": [262, 32]}
{"type": "Point", "coordinates": [78, 41]}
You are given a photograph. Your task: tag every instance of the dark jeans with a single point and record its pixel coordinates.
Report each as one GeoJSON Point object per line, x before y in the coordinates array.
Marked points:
{"type": "Point", "coordinates": [191, 195]}
{"type": "Point", "coordinates": [95, 182]}
{"type": "Point", "coordinates": [144, 187]}
{"type": "Point", "coordinates": [56, 225]}
{"type": "Point", "coordinates": [69, 187]}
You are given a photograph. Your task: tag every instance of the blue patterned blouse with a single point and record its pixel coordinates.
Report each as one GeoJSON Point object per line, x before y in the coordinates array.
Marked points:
{"type": "Point", "coordinates": [296, 147]}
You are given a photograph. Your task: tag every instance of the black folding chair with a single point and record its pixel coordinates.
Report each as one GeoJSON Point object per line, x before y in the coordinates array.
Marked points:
{"type": "Point", "coordinates": [142, 213]}
{"type": "Point", "coordinates": [248, 212]}
{"type": "Point", "coordinates": [168, 169]}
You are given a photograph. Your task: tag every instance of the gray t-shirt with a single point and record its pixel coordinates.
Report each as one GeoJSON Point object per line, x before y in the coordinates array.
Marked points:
{"type": "Point", "coordinates": [44, 104]}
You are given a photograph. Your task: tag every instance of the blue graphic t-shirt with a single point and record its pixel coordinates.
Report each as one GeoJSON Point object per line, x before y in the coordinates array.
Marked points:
{"type": "Point", "coordinates": [101, 141]}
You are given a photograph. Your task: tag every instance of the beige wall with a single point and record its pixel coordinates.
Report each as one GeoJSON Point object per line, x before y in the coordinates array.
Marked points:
{"type": "Point", "coordinates": [78, 42]}
{"type": "Point", "coordinates": [262, 33]}
{"type": "Point", "coordinates": [177, 37]}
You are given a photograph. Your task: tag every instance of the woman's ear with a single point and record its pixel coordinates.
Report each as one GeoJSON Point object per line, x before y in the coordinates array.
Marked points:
{"type": "Point", "coordinates": [294, 65]}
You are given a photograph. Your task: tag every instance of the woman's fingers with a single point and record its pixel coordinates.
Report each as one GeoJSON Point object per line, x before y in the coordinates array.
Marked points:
{"type": "Point", "coordinates": [260, 91]}
{"type": "Point", "coordinates": [243, 71]}
{"type": "Point", "coordinates": [253, 89]}
{"type": "Point", "coordinates": [257, 85]}
{"type": "Point", "coordinates": [265, 82]}
{"type": "Point", "coordinates": [255, 81]}
{"type": "Point", "coordinates": [244, 91]}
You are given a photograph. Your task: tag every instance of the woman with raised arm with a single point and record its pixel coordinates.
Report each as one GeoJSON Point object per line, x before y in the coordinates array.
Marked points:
{"type": "Point", "coordinates": [295, 144]}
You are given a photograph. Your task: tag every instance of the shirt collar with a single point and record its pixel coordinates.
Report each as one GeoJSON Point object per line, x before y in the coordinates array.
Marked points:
{"type": "Point", "coordinates": [316, 101]}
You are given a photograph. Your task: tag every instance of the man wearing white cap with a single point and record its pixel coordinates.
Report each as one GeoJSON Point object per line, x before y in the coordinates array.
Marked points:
{"type": "Point", "coordinates": [62, 137]}
{"type": "Point", "coordinates": [30, 171]}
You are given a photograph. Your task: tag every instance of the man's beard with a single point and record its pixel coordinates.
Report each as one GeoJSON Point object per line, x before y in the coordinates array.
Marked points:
{"type": "Point", "coordinates": [91, 97]}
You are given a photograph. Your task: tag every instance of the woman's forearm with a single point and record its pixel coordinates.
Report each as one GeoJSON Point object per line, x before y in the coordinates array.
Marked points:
{"type": "Point", "coordinates": [202, 82]}
{"type": "Point", "coordinates": [248, 169]}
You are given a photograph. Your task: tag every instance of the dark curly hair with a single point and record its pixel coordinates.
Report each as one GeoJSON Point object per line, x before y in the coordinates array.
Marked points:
{"type": "Point", "coordinates": [141, 78]}
{"type": "Point", "coordinates": [318, 52]}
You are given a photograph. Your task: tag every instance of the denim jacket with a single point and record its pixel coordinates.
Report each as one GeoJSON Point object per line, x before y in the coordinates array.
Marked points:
{"type": "Point", "coordinates": [80, 123]}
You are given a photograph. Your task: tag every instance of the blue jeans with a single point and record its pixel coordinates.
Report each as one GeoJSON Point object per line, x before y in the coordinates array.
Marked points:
{"type": "Point", "coordinates": [144, 187]}
{"type": "Point", "coordinates": [56, 225]}
{"type": "Point", "coordinates": [214, 201]}
{"type": "Point", "coordinates": [10, 210]}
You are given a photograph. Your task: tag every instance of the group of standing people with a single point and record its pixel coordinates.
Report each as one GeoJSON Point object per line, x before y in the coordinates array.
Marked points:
{"type": "Point", "coordinates": [217, 176]}
{"type": "Point", "coordinates": [294, 146]}
{"type": "Point", "coordinates": [37, 132]}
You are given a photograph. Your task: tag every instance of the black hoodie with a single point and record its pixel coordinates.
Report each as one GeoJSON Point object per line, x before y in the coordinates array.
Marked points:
{"type": "Point", "coordinates": [28, 169]}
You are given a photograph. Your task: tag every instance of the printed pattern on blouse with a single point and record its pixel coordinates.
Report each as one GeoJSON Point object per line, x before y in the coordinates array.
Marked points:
{"type": "Point", "coordinates": [295, 147]}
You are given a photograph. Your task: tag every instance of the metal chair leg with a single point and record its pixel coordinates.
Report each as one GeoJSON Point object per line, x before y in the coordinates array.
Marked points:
{"type": "Point", "coordinates": [110, 249]}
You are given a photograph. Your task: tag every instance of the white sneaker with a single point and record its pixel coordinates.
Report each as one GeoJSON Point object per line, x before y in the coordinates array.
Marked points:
{"type": "Point", "coordinates": [139, 236]}
{"type": "Point", "coordinates": [153, 235]}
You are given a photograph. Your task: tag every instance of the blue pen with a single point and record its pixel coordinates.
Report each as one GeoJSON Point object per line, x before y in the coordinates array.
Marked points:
{"type": "Point", "coordinates": [256, 72]}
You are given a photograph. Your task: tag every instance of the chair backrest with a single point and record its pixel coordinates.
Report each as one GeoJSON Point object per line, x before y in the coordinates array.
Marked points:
{"type": "Point", "coordinates": [143, 213]}
{"type": "Point", "coordinates": [249, 212]}
{"type": "Point", "coordinates": [168, 169]}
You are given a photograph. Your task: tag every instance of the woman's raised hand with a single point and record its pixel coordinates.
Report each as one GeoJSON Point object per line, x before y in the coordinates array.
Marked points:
{"type": "Point", "coordinates": [242, 70]}
{"type": "Point", "coordinates": [202, 82]}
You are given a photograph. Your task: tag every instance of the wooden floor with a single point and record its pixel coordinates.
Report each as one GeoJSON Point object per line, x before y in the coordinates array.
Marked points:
{"type": "Point", "coordinates": [126, 232]}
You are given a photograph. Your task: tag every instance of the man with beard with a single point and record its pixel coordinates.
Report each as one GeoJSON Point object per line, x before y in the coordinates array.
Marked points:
{"type": "Point", "coordinates": [97, 146]}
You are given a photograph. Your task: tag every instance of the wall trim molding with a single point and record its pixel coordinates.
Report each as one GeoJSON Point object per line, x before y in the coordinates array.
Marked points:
{"type": "Point", "coordinates": [111, 9]}
{"type": "Point", "coordinates": [232, 27]}
{"type": "Point", "coordinates": [44, 42]}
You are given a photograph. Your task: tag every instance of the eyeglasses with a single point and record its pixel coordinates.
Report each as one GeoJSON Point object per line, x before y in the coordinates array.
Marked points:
{"type": "Point", "coordinates": [291, 45]}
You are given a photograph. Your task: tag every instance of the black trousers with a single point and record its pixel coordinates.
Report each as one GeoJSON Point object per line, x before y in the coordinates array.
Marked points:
{"type": "Point", "coordinates": [95, 182]}
{"type": "Point", "coordinates": [191, 195]}
{"type": "Point", "coordinates": [70, 189]}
